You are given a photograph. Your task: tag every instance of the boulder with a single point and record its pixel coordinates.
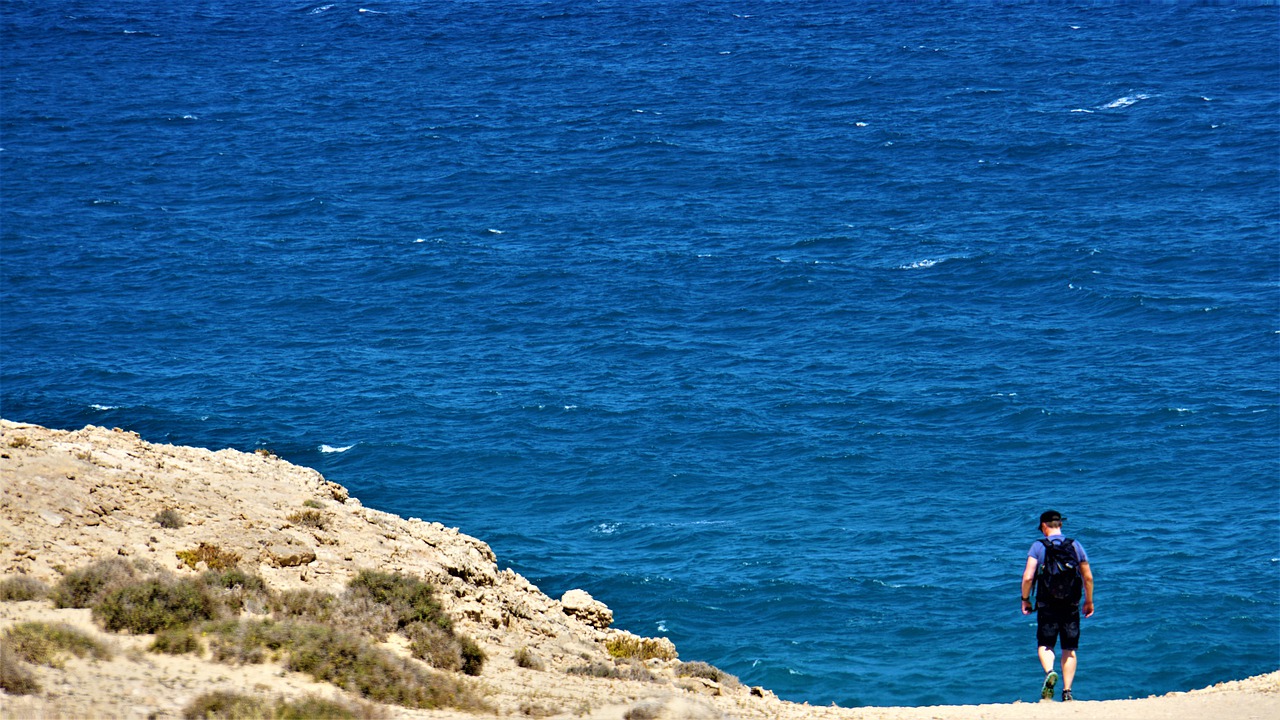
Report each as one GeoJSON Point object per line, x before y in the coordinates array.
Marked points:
{"type": "Point", "coordinates": [580, 604]}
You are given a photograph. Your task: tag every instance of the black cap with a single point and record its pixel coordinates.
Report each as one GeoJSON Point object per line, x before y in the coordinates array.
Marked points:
{"type": "Point", "coordinates": [1050, 516]}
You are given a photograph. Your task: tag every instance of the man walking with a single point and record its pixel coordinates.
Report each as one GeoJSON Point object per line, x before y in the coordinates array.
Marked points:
{"type": "Point", "coordinates": [1059, 568]}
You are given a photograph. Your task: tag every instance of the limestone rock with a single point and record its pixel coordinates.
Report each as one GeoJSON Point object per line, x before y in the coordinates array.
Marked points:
{"type": "Point", "coordinates": [580, 604]}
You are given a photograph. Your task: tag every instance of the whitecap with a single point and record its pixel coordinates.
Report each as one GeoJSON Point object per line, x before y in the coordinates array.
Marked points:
{"type": "Point", "coordinates": [662, 626]}
{"type": "Point", "coordinates": [1083, 110]}
{"type": "Point", "coordinates": [926, 263]}
{"type": "Point", "coordinates": [605, 528]}
{"type": "Point", "coordinates": [371, 12]}
{"type": "Point", "coordinates": [318, 10]}
{"type": "Point", "coordinates": [570, 407]}
{"type": "Point", "coordinates": [96, 406]}
{"type": "Point", "coordinates": [1125, 101]}
{"type": "Point", "coordinates": [497, 232]}
{"type": "Point", "coordinates": [332, 449]}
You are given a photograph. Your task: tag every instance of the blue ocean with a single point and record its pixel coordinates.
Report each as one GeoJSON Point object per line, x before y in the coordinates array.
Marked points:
{"type": "Point", "coordinates": [773, 325]}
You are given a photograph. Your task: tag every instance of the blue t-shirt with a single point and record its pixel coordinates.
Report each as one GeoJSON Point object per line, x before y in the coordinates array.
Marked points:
{"type": "Point", "coordinates": [1037, 549]}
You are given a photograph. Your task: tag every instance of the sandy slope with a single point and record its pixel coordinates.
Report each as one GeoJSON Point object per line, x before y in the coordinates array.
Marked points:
{"type": "Point", "coordinates": [68, 498]}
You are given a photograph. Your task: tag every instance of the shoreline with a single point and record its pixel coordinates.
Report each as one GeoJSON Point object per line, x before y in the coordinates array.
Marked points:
{"type": "Point", "coordinates": [68, 498]}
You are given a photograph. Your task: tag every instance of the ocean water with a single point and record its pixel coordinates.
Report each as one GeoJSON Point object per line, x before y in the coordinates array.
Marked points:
{"type": "Point", "coordinates": [773, 325]}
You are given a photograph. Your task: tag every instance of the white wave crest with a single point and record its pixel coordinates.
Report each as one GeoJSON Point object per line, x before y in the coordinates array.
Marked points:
{"type": "Point", "coordinates": [332, 449]}
{"type": "Point", "coordinates": [1125, 101]}
{"type": "Point", "coordinates": [96, 406]}
{"type": "Point", "coordinates": [919, 264]}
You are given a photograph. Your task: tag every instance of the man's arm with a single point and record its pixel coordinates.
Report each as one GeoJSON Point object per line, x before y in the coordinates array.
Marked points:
{"type": "Point", "coordinates": [1028, 577]}
{"type": "Point", "coordinates": [1086, 574]}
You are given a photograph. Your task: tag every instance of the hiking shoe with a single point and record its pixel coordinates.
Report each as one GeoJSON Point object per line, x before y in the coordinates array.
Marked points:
{"type": "Point", "coordinates": [1046, 692]}
{"type": "Point", "coordinates": [1066, 696]}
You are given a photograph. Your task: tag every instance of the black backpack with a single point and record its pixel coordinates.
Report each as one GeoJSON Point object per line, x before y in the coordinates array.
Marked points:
{"type": "Point", "coordinates": [1058, 580]}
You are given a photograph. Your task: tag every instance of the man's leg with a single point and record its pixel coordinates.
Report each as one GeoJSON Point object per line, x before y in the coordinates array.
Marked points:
{"type": "Point", "coordinates": [1046, 660]}
{"type": "Point", "coordinates": [1068, 668]}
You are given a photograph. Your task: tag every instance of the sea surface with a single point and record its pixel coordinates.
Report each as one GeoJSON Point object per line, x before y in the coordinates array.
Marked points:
{"type": "Point", "coordinates": [773, 325]}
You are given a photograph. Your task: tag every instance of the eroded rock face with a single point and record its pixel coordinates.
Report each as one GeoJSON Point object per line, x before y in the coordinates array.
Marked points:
{"type": "Point", "coordinates": [580, 604]}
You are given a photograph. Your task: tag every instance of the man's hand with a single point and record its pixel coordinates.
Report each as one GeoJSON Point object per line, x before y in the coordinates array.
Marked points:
{"type": "Point", "coordinates": [1026, 607]}
{"type": "Point", "coordinates": [1087, 608]}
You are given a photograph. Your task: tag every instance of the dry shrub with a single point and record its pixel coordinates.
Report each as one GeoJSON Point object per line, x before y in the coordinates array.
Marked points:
{"type": "Point", "coordinates": [153, 605]}
{"type": "Point", "coordinates": [358, 613]}
{"type": "Point", "coordinates": [22, 587]}
{"type": "Point", "coordinates": [41, 643]}
{"type": "Point", "coordinates": [169, 519]}
{"type": "Point", "coordinates": [177, 641]}
{"type": "Point", "coordinates": [619, 670]}
{"type": "Point", "coordinates": [83, 587]}
{"type": "Point", "coordinates": [346, 660]}
{"type": "Point", "coordinates": [706, 671]}
{"type": "Point", "coordinates": [638, 648]}
{"type": "Point", "coordinates": [230, 705]}
{"type": "Point", "coordinates": [214, 557]}
{"type": "Point", "coordinates": [238, 588]}
{"type": "Point", "coordinates": [15, 677]}
{"type": "Point", "coordinates": [529, 660]}
{"type": "Point", "coordinates": [310, 518]}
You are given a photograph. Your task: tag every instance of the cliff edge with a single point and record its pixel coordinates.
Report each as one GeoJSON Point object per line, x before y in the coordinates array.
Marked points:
{"type": "Point", "coordinates": [69, 499]}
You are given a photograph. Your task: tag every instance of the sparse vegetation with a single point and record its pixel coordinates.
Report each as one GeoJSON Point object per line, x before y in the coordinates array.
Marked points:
{"type": "Point", "coordinates": [638, 648]}
{"type": "Point", "coordinates": [313, 503]}
{"type": "Point", "coordinates": [49, 644]}
{"type": "Point", "coordinates": [19, 441]}
{"type": "Point", "coordinates": [22, 587]}
{"type": "Point", "coordinates": [310, 518]}
{"type": "Point", "coordinates": [234, 706]}
{"type": "Point", "coordinates": [410, 599]}
{"type": "Point", "coordinates": [15, 677]}
{"type": "Point", "coordinates": [344, 659]}
{"type": "Point", "coordinates": [264, 452]}
{"type": "Point", "coordinates": [647, 710]}
{"type": "Point", "coordinates": [177, 641]}
{"type": "Point", "coordinates": [81, 588]}
{"type": "Point", "coordinates": [707, 672]}
{"type": "Point", "coordinates": [529, 660]}
{"type": "Point", "coordinates": [169, 519]}
{"type": "Point", "coordinates": [214, 557]}
{"type": "Point", "coordinates": [155, 604]}
{"type": "Point", "coordinates": [444, 649]}
{"type": "Point", "coordinates": [623, 670]}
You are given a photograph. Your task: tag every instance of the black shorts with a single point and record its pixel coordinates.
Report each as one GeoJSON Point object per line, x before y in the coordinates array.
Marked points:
{"type": "Point", "coordinates": [1058, 622]}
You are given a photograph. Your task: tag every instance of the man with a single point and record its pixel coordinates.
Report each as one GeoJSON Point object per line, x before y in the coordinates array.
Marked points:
{"type": "Point", "coordinates": [1057, 619]}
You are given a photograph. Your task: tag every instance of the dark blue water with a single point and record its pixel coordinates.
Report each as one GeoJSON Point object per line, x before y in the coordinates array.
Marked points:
{"type": "Point", "coordinates": [773, 325]}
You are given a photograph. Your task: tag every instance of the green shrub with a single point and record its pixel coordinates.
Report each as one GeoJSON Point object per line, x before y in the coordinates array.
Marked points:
{"type": "Point", "coordinates": [15, 677]}
{"type": "Point", "coordinates": [214, 557]}
{"type": "Point", "coordinates": [83, 587]}
{"type": "Point", "coordinates": [169, 519]}
{"type": "Point", "coordinates": [177, 641]}
{"type": "Point", "coordinates": [42, 643]}
{"type": "Point", "coordinates": [22, 587]}
{"type": "Point", "coordinates": [410, 599]}
{"type": "Point", "coordinates": [154, 605]}
{"type": "Point", "coordinates": [313, 503]}
{"type": "Point", "coordinates": [311, 518]}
